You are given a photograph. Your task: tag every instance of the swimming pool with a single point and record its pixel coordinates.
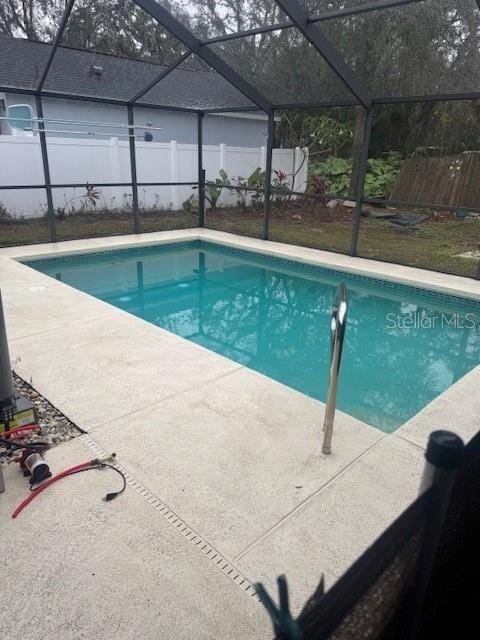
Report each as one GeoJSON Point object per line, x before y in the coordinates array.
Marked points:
{"type": "Point", "coordinates": [403, 347]}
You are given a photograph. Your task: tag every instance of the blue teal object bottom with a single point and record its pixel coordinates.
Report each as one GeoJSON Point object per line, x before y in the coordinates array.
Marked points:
{"type": "Point", "coordinates": [403, 347]}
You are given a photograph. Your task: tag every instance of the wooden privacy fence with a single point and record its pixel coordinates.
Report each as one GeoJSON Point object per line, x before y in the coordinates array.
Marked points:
{"type": "Point", "coordinates": [448, 180]}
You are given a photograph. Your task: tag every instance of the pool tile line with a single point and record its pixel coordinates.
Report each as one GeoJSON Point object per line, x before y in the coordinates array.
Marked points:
{"type": "Point", "coordinates": [127, 252]}
{"type": "Point", "coordinates": [182, 527]}
{"type": "Point", "coordinates": [296, 265]}
{"type": "Point", "coordinates": [404, 275]}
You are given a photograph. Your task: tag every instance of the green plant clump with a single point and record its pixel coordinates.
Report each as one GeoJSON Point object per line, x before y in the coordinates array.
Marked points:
{"type": "Point", "coordinates": [190, 205]}
{"type": "Point", "coordinates": [213, 190]}
{"type": "Point", "coordinates": [379, 180]}
{"type": "Point", "coordinates": [242, 188]}
{"type": "Point", "coordinates": [5, 216]}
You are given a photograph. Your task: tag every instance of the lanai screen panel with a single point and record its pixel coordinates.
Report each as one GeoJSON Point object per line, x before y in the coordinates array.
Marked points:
{"type": "Point", "coordinates": [223, 17]}
{"type": "Point", "coordinates": [420, 49]}
{"type": "Point", "coordinates": [285, 68]}
{"type": "Point", "coordinates": [22, 62]}
{"type": "Point", "coordinates": [110, 54]}
{"type": "Point", "coordinates": [195, 85]}
{"type": "Point", "coordinates": [317, 8]}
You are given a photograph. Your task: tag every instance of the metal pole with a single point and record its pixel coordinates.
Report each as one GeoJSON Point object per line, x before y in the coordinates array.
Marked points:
{"type": "Point", "coordinates": [133, 169]}
{"type": "Point", "coordinates": [268, 174]}
{"type": "Point", "coordinates": [337, 333]}
{"type": "Point", "coordinates": [201, 172]}
{"type": "Point", "coordinates": [360, 186]}
{"type": "Point", "coordinates": [279, 106]}
{"type": "Point", "coordinates": [108, 125]}
{"type": "Point", "coordinates": [7, 389]}
{"type": "Point", "coordinates": [46, 169]}
{"type": "Point", "coordinates": [443, 458]}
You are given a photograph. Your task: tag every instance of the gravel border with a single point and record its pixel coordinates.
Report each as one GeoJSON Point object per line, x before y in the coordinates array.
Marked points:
{"type": "Point", "coordinates": [55, 427]}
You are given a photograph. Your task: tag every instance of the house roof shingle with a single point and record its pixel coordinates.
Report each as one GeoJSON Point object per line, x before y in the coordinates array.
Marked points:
{"type": "Point", "coordinates": [22, 63]}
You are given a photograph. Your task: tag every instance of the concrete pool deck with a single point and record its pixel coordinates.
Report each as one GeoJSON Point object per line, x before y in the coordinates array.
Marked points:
{"type": "Point", "coordinates": [227, 484]}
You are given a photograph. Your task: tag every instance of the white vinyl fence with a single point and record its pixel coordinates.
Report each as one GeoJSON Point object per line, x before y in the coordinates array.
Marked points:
{"type": "Point", "coordinates": [76, 161]}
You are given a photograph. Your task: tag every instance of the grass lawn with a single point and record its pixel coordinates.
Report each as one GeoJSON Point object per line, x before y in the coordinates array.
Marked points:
{"type": "Point", "coordinates": [91, 225]}
{"type": "Point", "coordinates": [432, 245]}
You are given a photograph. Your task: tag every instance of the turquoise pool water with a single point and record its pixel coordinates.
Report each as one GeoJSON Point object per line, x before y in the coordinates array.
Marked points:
{"type": "Point", "coordinates": [403, 345]}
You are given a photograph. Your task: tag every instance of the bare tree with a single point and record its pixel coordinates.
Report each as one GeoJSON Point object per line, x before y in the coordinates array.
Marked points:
{"type": "Point", "coordinates": [32, 19]}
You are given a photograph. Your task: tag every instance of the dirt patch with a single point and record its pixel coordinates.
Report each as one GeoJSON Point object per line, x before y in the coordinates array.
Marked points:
{"type": "Point", "coordinates": [319, 213]}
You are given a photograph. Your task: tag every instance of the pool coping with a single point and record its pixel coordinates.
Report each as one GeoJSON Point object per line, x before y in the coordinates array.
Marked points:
{"type": "Point", "coordinates": [422, 279]}
{"type": "Point", "coordinates": [410, 276]}
{"type": "Point", "coordinates": [372, 461]}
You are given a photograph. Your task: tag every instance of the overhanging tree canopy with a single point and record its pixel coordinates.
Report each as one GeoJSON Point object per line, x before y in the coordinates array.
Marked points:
{"type": "Point", "coordinates": [262, 55]}
{"type": "Point", "coordinates": [275, 54]}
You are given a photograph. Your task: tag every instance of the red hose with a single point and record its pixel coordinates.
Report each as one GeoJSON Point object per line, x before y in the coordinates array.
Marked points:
{"type": "Point", "coordinates": [47, 483]}
{"type": "Point", "coordinates": [18, 430]}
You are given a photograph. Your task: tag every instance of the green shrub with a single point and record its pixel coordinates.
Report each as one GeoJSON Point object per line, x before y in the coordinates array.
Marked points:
{"type": "Point", "coordinates": [190, 205]}
{"type": "Point", "coordinates": [256, 180]}
{"type": "Point", "coordinates": [335, 172]}
{"type": "Point", "coordinates": [213, 190]}
{"type": "Point", "coordinates": [381, 175]}
{"type": "Point", "coordinates": [379, 180]}
{"type": "Point", "coordinates": [5, 216]}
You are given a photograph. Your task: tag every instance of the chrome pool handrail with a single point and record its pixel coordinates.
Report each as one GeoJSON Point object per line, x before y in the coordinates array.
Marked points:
{"type": "Point", "coordinates": [338, 323]}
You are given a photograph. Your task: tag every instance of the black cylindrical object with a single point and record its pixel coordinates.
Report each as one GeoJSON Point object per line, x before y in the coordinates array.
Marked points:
{"type": "Point", "coordinates": [7, 390]}
{"type": "Point", "coordinates": [443, 458]}
{"type": "Point", "coordinates": [443, 455]}
{"type": "Point", "coordinates": [36, 467]}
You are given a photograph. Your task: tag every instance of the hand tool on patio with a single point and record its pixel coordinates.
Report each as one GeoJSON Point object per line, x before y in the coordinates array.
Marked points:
{"type": "Point", "coordinates": [28, 454]}
{"type": "Point", "coordinates": [96, 463]}
{"type": "Point", "coordinates": [18, 447]}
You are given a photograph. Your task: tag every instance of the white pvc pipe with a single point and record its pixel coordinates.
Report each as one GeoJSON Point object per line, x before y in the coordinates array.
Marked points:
{"type": "Point", "coordinates": [83, 133]}
{"type": "Point", "coordinates": [84, 123]}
